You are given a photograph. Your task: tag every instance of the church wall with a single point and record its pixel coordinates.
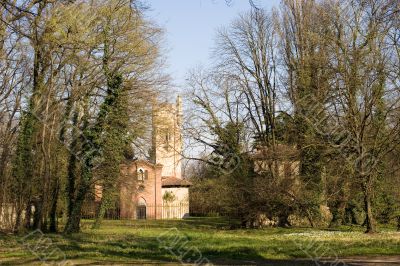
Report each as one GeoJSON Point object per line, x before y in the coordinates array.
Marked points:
{"type": "Point", "coordinates": [166, 154]}
{"type": "Point", "coordinates": [179, 208]}
{"type": "Point", "coordinates": [147, 190]}
{"type": "Point", "coordinates": [181, 194]}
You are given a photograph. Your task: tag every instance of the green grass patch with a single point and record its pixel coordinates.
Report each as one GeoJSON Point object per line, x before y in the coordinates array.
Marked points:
{"type": "Point", "coordinates": [188, 240]}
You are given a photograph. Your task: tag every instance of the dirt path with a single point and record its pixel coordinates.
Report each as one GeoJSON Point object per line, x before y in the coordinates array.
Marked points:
{"type": "Point", "coordinates": [349, 261]}
{"type": "Point", "coordinates": [363, 260]}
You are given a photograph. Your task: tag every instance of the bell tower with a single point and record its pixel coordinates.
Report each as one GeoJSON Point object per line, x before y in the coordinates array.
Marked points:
{"type": "Point", "coordinates": [167, 137]}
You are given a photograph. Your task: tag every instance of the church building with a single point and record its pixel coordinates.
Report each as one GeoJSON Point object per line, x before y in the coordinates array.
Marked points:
{"type": "Point", "coordinates": [155, 188]}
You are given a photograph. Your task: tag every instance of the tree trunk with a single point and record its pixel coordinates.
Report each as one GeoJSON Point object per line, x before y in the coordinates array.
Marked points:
{"type": "Point", "coordinates": [101, 210]}
{"type": "Point", "coordinates": [72, 164]}
{"type": "Point", "coordinates": [338, 214]}
{"type": "Point", "coordinates": [71, 177]}
{"type": "Point", "coordinates": [369, 219]}
{"type": "Point", "coordinates": [73, 222]}
{"type": "Point", "coordinates": [74, 219]}
{"type": "Point", "coordinates": [53, 211]}
{"type": "Point", "coordinates": [3, 162]}
{"type": "Point", "coordinates": [18, 218]}
{"type": "Point", "coordinates": [283, 220]}
{"type": "Point", "coordinates": [310, 218]}
{"type": "Point", "coordinates": [37, 215]}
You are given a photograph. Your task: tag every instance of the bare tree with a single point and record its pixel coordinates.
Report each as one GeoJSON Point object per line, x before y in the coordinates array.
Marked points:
{"type": "Point", "coordinates": [367, 88]}
{"type": "Point", "coordinates": [246, 55]}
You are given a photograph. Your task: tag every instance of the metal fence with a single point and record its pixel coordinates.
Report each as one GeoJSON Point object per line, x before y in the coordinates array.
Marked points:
{"type": "Point", "coordinates": [177, 211]}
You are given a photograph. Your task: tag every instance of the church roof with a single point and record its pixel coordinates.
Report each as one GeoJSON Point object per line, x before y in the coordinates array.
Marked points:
{"type": "Point", "coordinates": [171, 181]}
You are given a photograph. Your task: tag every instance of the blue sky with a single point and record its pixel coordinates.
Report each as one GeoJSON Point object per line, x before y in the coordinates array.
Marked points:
{"type": "Point", "coordinates": [190, 27]}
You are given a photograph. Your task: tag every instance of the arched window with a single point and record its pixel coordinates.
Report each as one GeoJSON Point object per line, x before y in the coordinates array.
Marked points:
{"type": "Point", "coordinates": [140, 175]}
{"type": "Point", "coordinates": [141, 202]}
{"type": "Point", "coordinates": [141, 209]}
{"type": "Point", "coordinates": [167, 137]}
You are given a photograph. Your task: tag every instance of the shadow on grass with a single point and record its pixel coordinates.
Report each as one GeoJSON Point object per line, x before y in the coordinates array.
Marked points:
{"type": "Point", "coordinates": [138, 242]}
{"type": "Point", "coordinates": [103, 249]}
{"type": "Point", "coordinates": [126, 248]}
{"type": "Point", "coordinates": [113, 253]}
{"type": "Point", "coordinates": [188, 223]}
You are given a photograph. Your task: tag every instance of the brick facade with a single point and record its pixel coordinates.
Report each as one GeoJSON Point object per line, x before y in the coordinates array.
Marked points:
{"type": "Point", "coordinates": [137, 189]}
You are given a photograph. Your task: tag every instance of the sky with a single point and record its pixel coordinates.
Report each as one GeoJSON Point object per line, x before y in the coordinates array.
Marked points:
{"type": "Point", "coordinates": [190, 29]}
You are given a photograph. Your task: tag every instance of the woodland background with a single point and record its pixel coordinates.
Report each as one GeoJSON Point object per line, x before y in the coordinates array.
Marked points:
{"type": "Point", "coordinates": [313, 84]}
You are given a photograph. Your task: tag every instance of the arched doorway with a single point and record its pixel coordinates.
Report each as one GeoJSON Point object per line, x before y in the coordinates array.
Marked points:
{"type": "Point", "coordinates": [141, 209]}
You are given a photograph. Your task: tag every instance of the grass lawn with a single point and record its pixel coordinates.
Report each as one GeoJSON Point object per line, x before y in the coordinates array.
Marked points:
{"type": "Point", "coordinates": [190, 240]}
